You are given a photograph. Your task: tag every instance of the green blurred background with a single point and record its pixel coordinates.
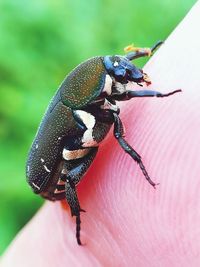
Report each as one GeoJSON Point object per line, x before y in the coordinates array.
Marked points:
{"type": "Point", "coordinates": [40, 42]}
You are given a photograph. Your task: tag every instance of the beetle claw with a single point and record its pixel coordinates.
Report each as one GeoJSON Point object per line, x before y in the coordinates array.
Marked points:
{"type": "Point", "coordinates": [154, 185]}
{"type": "Point", "coordinates": [82, 210]}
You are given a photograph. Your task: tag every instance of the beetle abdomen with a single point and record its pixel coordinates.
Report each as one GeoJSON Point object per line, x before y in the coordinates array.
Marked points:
{"type": "Point", "coordinates": [46, 149]}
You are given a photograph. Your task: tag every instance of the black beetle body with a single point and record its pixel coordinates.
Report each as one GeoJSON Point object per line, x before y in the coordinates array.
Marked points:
{"type": "Point", "coordinates": [78, 118]}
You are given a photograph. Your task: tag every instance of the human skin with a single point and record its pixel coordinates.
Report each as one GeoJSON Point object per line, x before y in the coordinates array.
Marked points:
{"type": "Point", "coordinates": [128, 222]}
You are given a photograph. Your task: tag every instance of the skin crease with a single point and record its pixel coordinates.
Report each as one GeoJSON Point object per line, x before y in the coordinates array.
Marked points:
{"type": "Point", "coordinates": [128, 223]}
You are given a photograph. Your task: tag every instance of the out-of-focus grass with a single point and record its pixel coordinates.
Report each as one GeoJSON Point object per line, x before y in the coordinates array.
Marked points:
{"type": "Point", "coordinates": [41, 41]}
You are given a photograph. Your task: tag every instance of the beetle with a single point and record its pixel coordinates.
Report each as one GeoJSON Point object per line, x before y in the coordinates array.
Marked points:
{"type": "Point", "coordinates": [78, 118]}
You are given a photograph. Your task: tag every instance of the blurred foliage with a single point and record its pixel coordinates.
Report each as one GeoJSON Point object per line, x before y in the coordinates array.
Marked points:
{"type": "Point", "coordinates": [41, 41]}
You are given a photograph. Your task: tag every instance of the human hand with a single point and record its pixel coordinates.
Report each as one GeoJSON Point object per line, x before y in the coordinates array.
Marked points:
{"type": "Point", "coordinates": [128, 223]}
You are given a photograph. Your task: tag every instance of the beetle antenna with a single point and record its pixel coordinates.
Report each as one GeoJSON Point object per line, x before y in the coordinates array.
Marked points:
{"type": "Point", "coordinates": [141, 52]}
{"type": "Point", "coordinates": [158, 44]}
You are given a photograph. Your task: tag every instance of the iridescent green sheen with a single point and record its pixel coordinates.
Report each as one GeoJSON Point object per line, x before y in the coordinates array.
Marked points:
{"type": "Point", "coordinates": [84, 83]}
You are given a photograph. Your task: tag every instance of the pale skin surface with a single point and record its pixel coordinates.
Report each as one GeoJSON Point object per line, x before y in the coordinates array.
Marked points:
{"type": "Point", "coordinates": [128, 222]}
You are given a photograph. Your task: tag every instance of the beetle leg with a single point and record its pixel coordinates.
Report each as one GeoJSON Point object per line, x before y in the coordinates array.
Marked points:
{"type": "Point", "coordinates": [142, 93]}
{"type": "Point", "coordinates": [118, 133]}
{"type": "Point", "coordinates": [143, 52]}
{"type": "Point", "coordinates": [73, 202]}
{"type": "Point", "coordinates": [72, 178]}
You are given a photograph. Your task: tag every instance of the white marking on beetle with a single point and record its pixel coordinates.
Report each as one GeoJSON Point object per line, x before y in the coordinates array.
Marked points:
{"type": "Point", "coordinates": [59, 138]}
{"type": "Point", "coordinates": [87, 118]}
{"type": "Point", "coordinates": [108, 85]}
{"type": "Point", "coordinates": [74, 154]}
{"type": "Point", "coordinates": [108, 105]}
{"type": "Point", "coordinates": [60, 182]}
{"type": "Point", "coordinates": [36, 146]}
{"type": "Point", "coordinates": [116, 64]}
{"type": "Point", "coordinates": [120, 88]}
{"type": "Point", "coordinates": [36, 186]}
{"type": "Point", "coordinates": [88, 140]}
{"type": "Point", "coordinates": [64, 171]}
{"type": "Point", "coordinates": [46, 168]}
{"type": "Point", "coordinates": [28, 168]}
{"type": "Point", "coordinates": [58, 191]}
{"type": "Point", "coordinates": [89, 121]}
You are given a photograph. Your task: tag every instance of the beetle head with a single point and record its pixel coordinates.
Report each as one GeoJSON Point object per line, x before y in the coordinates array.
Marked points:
{"type": "Point", "coordinates": [122, 70]}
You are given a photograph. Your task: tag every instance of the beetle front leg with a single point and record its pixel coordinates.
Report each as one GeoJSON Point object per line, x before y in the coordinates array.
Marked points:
{"type": "Point", "coordinates": [142, 93]}
{"type": "Point", "coordinates": [118, 133]}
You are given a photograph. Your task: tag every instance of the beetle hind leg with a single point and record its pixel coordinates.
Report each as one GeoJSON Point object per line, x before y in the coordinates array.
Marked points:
{"type": "Point", "coordinates": [73, 202]}
{"type": "Point", "coordinates": [78, 168]}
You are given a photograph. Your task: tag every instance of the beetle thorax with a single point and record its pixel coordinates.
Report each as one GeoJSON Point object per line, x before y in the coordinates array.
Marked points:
{"type": "Point", "coordinates": [113, 87]}
{"type": "Point", "coordinates": [119, 88]}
